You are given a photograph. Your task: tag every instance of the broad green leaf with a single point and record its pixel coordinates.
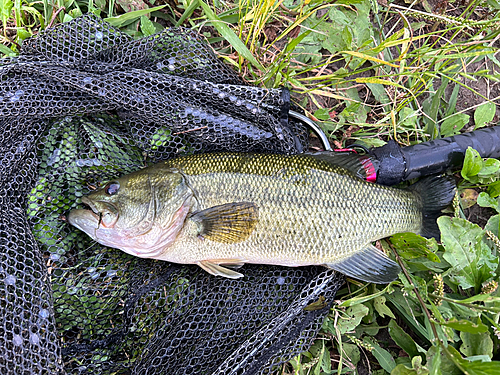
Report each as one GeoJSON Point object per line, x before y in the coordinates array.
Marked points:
{"type": "Point", "coordinates": [352, 352]}
{"type": "Point", "coordinates": [22, 33]}
{"type": "Point", "coordinates": [379, 93]}
{"type": "Point", "coordinates": [484, 114]}
{"type": "Point", "coordinates": [322, 114]}
{"type": "Point", "coordinates": [383, 357]}
{"type": "Point", "coordinates": [454, 124]}
{"type": "Point", "coordinates": [473, 368]}
{"type": "Point", "coordinates": [476, 343]}
{"type": "Point", "coordinates": [466, 326]}
{"type": "Point", "coordinates": [484, 200]}
{"type": "Point", "coordinates": [416, 368]}
{"type": "Point", "coordinates": [472, 261]}
{"type": "Point", "coordinates": [482, 368]}
{"type": "Point", "coordinates": [147, 26]}
{"type": "Point", "coordinates": [326, 361]}
{"type": "Point", "coordinates": [472, 163]}
{"type": "Point", "coordinates": [381, 307]}
{"type": "Point", "coordinates": [493, 225]}
{"type": "Point", "coordinates": [411, 245]}
{"type": "Point", "coordinates": [403, 370]}
{"type": "Point", "coordinates": [352, 318]}
{"type": "Point", "coordinates": [443, 364]}
{"type": "Point", "coordinates": [490, 168]}
{"type": "Point", "coordinates": [434, 361]}
{"type": "Point", "coordinates": [127, 18]}
{"type": "Point", "coordinates": [494, 189]}
{"type": "Point", "coordinates": [408, 117]}
{"type": "Point", "coordinates": [230, 36]}
{"type": "Point", "coordinates": [402, 339]}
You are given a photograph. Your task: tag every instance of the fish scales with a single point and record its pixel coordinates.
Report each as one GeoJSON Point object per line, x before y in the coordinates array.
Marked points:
{"type": "Point", "coordinates": [311, 212]}
{"type": "Point", "coordinates": [224, 209]}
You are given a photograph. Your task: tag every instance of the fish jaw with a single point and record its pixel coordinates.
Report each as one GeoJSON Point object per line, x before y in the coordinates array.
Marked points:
{"type": "Point", "coordinates": [85, 220]}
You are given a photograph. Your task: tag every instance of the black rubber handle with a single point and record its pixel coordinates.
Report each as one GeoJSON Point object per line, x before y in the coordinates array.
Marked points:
{"type": "Point", "coordinates": [400, 164]}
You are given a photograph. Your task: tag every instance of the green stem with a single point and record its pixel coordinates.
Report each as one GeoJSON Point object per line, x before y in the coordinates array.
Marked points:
{"type": "Point", "coordinates": [469, 305]}
{"type": "Point", "coordinates": [415, 289]}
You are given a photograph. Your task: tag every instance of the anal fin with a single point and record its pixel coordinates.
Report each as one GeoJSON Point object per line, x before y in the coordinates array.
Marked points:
{"type": "Point", "coordinates": [370, 265]}
{"type": "Point", "coordinates": [214, 267]}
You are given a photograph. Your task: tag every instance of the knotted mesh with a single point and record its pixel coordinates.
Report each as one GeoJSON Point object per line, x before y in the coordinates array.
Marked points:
{"type": "Point", "coordinates": [84, 103]}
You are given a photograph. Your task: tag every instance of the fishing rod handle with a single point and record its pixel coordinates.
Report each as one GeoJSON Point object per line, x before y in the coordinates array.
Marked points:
{"type": "Point", "coordinates": [433, 157]}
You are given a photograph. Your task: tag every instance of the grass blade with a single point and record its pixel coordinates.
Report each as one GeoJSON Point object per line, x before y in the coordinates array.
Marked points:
{"type": "Point", "coordinates": [128, 18]}
{"type": "Point", "coordinates": [188, 12]}
{"type": "Point", "coordinates": [230, 36]}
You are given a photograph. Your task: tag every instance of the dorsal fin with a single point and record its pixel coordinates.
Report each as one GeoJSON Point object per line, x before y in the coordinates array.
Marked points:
{"type": "Point", "coordinates": [360, 165]}
{"type": "Point", "coordinates": [227, 223]}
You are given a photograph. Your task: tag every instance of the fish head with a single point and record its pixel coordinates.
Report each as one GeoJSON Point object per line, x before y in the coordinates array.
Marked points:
{"type": "Point", "coordinates": [140, 213]}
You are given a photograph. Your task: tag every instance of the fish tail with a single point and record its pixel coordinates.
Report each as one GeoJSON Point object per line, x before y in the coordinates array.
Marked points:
{"type": "Point", "coordinates": [436, 194]}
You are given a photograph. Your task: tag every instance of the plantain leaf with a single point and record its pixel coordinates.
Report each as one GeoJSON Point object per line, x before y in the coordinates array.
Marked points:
{"type": "Point", "coordinates": [484, 114]}
{"type": "Point", "coordinates": [402, 339]}
{"type": "Point", "coordinates": [383, 357]}
{"type": "Point", "coordinates": [472, 368]}
{"type": "Point", "coordinates": [352, 318]}
{"type": "Point", "coordinates": [466, 326]}
{"type": "Point", "coordinates": [452, 125]}
{"type": "Point", "coordinates": [381, 307]}
{"type": "Point", "coordinates": [472, 164]}
{"type": "Point", "coordinates": [472, 261]}
{"type": "Point", "coordinates": [494, 189]}
{"type": "Point", "coordinates": [484, 200]}
{"type": "Point", "coordinates": [411, 245]}
{"type": "Point", "coordinates": [147, 27]}
{"type": "Point", "coordinates": [476, 343]}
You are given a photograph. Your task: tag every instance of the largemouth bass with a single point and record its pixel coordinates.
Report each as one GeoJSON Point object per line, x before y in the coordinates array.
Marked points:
{"type": "Point", "coordinates": [223, 210]}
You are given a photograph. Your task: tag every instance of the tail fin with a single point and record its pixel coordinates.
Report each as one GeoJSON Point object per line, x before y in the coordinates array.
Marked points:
{"type": "Point", "coordinates": [437, 193]}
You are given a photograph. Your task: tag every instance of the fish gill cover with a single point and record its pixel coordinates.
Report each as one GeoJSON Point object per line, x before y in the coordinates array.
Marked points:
{"type": "Point", "coordinates": [82, 104]}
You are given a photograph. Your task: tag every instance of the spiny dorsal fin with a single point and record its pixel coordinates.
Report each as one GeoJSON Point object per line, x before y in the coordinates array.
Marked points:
{"type": "Point", "coordinates": [361, 166]}
{"type": "Point", "coordinates": [227, 223]}
{"type": "Point", "coordinates": [369, 264]}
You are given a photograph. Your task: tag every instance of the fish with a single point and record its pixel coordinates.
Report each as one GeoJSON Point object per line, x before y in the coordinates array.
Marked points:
{"type": "Point", "coordinates": [223, 210]}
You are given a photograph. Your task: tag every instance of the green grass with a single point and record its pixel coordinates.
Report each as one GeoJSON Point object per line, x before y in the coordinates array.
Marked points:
{"type": "Point", "coordinates": [367, 73]}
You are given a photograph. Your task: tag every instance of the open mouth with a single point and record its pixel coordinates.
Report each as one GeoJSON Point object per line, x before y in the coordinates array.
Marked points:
{"type": "Point", "coordinates": [93, 209]}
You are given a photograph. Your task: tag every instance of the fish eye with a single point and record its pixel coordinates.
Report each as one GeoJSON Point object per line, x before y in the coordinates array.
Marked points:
{"type": "Point", "coordinates": [112, 188]}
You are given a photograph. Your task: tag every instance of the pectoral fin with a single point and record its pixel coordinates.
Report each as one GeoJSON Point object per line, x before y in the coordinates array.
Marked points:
{"type": "Point", "coordinates": [369, 264]}
{"type": "Point", "coordinates": [227, 223]}
{"type": "Point", "coordinates": [213, 267]}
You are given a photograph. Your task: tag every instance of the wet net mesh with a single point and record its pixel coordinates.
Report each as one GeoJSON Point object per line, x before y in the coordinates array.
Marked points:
{"type": "Point", "coordinates": [84, 103]}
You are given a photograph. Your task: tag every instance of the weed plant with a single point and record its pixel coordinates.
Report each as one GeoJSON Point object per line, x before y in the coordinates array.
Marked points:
{"type": "Point", "coordinates": [367, 71]}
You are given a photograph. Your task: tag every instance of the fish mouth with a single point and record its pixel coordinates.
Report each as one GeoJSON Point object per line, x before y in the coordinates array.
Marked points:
{"type": "Point", "coordinates": [107, 207]}
{"type": "Point", "coordinates": [91, 205]}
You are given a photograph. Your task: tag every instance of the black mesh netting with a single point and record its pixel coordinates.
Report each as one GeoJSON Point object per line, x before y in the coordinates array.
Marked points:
{"type": "Point", "coordinates": [84, 103]}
